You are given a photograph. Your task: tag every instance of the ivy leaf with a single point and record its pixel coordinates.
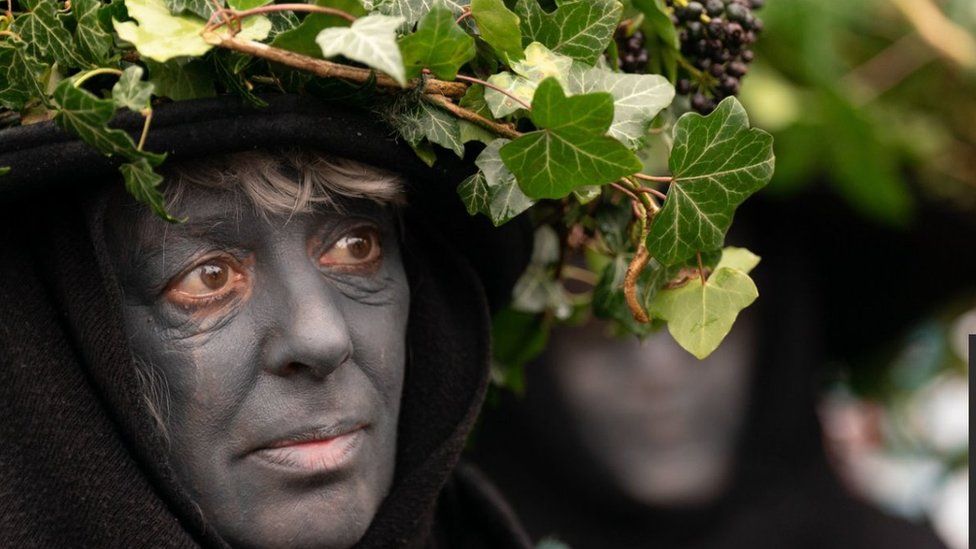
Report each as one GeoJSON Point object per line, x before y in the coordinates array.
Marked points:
{"type": "Point", "coordinates": [699, 315]}
{"type": "Point", "coordinates": [301, 39]}
{"type": "Point", "coordinates": [717, 161]}
{"type": "Point", "coordinates": [474, 132]}
{"type": "Point", "coordinates": [94, 42]}
{"type": "Point", "coordinates": [580, 29]}
{"type": "Point", "coordinates": [609, 300]}
{"type": "Point", "coordinates": [432, 123]}
{"type": "Point", "coordinates": [247, 4]}
{"type": "Point", "coordinates": [143, 184]}
{"type": "Point", "coordinates": [46, 36]}
{"type": "Point", "coordinates": [538, 64]}
{"type": "Point", "coordinates": [498, 26]}
{"type": "Point", "coordinates": [19, 75]}
{"type": "Point", "coordinates": [439, 45]}
{"type": "Point", "coordinates": [161, 36]}
{"type": "Point", "coordinates": [571, 150]}
{"type": "Point", "coordinates": [87, 116]}
{"type": "Point", "coordinates": [637, 99]}
{"type": "Point", "coordinates": [200, 8]}
{"type": "Point", "coordinates": [370, 40]}
{"type": "Point", "coordinates": [738, 258]}
{"type": "Point", "coordinates": [131, 92]}
{"type": "Point", "coordinates": [493, 191]}
{"type": "Point", "coordinates": [4, 170]}
{"type": "Point", "coordinates": [180, 80]}
{"type": "Point", "coordinates": [413, 10]}
{"type": "Point", "coordinates": [658, 19]}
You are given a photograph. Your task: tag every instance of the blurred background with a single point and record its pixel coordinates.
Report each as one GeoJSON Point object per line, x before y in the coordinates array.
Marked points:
{"type": "Point", "coordinates": [837, 412]}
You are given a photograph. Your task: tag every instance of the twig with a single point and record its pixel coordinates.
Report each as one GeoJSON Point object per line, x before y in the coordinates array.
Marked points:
{"type": "Point", "coordinates": [654, 178]}
{"type": "Point", "coordinates": [464, 15]}
{"type": "Point", "coordinates": [626, 191]}
{"type": "Point", "coordinates": [148, 113]}
{"type": "Point", "coordinates": [328, 69]}
{"type": "Point", "coordinates": [85, 76]}
{"type": "Point", "coordinates": [634, 269]}
{"type": "Point", "coordinates": [655, 192]}
{"type": "Point", "coordinates": [471, 116]}
{"type": "Point", "coordinates": [496, 88]}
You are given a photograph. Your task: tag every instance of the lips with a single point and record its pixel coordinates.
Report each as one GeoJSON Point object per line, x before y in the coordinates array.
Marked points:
{"type": "Point", "coordinates": [317, 450]}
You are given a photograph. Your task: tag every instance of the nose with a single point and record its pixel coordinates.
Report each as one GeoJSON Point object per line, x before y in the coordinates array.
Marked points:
{"type": "Point", "coordinates": [311, 333]}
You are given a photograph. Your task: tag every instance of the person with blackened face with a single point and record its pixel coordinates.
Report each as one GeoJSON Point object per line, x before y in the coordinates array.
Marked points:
{"type": "Point", "coordinates": [294, 364]}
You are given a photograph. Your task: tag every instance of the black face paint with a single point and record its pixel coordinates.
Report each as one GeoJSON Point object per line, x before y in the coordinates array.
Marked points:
{"type": "Point", "coordinates": [282, 344]}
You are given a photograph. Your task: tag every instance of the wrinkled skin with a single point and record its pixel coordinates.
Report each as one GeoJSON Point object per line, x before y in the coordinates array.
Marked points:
{"type": "Point", "coordinates": [300, 344]}
{"type": "Point", "coordinates": [659, 425]}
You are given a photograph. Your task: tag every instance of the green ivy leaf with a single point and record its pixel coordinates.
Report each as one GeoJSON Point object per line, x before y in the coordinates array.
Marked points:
{"type": "Point", "coordinates": [432, 123]}
{"type": "Point", "coordinates": [20, 75]}
{"type": "Point", "coordinates": [439, 45]}
{"type": "Point", "coordinates": [738, 258]}
{"type": "Point", "coordinates": [94, 42]}
{"type": "Point", "coordinates": [580, 29]}
{"type": "Point", "coordinates": [658, 19]}
{"type": "Point", "coordinates": [570, 150]}
{"type": "Point", "coordinates": [474, 194]}
{"type": "Point", "coordinates": [717, 161]}
{"type": "Point", "coordinates": [46, 36]}
{"type": "Point", "coordinates": [200, 8]}
{"type": "Point", "coordinates": [87, 116]}
{"type": "Point", "coordinates": [499, 26]}
{"type": "Point", "coordinates": [179, 80]}
{"type": "Point", "coordinates": [131, 92]}
{"type": "Point", "coordinates": [637, 99]}
{"type": "Point", "coordinates": [143, 184]}
{"type": "Point", "coordinates": [503, 199]}
{"type": "Point", "coordinates": [247, 4]}
{"type": "Point", "coordinates": [413, 10]}
{"type": "Point", "coordinates": [699, 315]}
{"type": "Point", "coordinates": [474, 132]}
{"type": "Point", "coordinates": [301, 39]}
{"type": "Point", "coordinates": [161, 36]}
{"type": "Point", "coordinates": [4, 170]}
{"type": "Point", "coordinates": [370, 40]}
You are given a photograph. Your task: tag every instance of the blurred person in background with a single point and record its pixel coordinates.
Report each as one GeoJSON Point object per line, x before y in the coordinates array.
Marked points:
{"type": "Point", "coordinates": [620, 443]}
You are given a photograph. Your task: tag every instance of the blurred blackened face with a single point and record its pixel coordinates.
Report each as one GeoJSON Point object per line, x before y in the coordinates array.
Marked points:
{"type": "Point", "coordinates": [659, 425]}
{"type": "Point", "coordinates": [281, 343]}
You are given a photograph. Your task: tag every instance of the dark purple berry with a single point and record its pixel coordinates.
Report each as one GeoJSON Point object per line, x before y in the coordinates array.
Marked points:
{"type": "Point", "coordinates": [694, 11]}
{"type": "Point", "coordinates": [737, 12]}
{"type": "Point", "coordinates": [737, 69]}
{"type": "Point", "coordinates": [716, 70]}
{"type": "Point", "coordinates": [683, 87]}
{"type": "Point", "coordinates": [699, 102]}
{"type": "Point", "coordinates": [714, 7]}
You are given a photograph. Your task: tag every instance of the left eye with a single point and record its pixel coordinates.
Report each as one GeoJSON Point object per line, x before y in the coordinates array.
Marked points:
{"type": "Point", "coordinates": [357, 249]}
{"type": "Point", "coordinates": [215, 278]}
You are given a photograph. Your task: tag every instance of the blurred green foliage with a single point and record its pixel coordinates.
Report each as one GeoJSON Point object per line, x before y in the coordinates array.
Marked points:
{"type": "Point", "coordinates": [876, 98]}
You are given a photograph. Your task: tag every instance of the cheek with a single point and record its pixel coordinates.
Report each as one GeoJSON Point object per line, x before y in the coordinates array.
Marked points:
{"type": "Point", "coordinates": [205, 374]}
{"type": "Point", "coordinates": [379, 335]}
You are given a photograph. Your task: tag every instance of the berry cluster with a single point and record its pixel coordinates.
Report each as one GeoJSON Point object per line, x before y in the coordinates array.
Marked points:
{"type": "Point", "coordinates": [716, 36]}
{"type": "Point", "coordinates": [633, 54]}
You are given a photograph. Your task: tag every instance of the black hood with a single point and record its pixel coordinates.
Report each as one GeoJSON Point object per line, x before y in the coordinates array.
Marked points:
{"type": "Point", "coordinates": [79, 453]}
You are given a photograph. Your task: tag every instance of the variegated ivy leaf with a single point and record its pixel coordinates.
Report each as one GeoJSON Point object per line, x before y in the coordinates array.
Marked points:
{"type": "Point", "coordinates": [717, 162]}
{"type": "Point", "coordinates": [131, 92]}
{"type": "Point", "coordinates": [538, 64]}
{"type": "Point", "coordinates": [493, 191]}
{"type": "Point", "coordinates": [200, 8]}
{"type": "Point", "coordinates": [413, 10]}
{"type": "Point", "coordinates": [46, 36]}
{"type": "Point", "coordinates": [301, 39]}
{"type": "Point", "coordinates": [432, 123]}
{"type": "Point", "coordinates": [580, 29]}
{"type": "Point", "coordinates": [370, 40]}
{"type": "Point", "coordinates": [161, 36]}
{"type": "Point", "coordinates": [637, 99]}
{"type": "Point", "coordinates": [20, 75]}
{"type": "Point", "coordinates": [94, 42]}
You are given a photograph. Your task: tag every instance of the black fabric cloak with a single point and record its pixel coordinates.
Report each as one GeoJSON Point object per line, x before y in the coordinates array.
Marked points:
{"type": "Point", "coordinates": [784, 494]}
{"type": "Point", "coordinates": [80, 461]}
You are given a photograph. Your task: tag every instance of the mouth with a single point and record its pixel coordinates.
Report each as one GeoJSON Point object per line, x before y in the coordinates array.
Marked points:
{"type": "Point", "coordinates": [319, 450]}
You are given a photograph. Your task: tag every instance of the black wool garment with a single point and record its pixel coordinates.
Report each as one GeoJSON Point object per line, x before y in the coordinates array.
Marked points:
{"type": "Point", "coordinates": [80, 456]}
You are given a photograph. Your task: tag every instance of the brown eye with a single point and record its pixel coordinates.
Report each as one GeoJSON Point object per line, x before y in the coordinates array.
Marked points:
{"type": "Point", "coordinates": [360, 248]}
{"type": "Point", "coordinates": [214, 278]}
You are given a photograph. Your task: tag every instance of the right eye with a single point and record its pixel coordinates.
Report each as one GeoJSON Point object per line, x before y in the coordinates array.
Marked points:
{"type": "Point", "coordinates": [207, 282]}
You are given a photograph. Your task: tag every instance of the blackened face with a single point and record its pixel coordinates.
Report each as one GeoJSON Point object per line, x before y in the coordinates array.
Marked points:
{"type": "Point", "coordinates": [281, 342]}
